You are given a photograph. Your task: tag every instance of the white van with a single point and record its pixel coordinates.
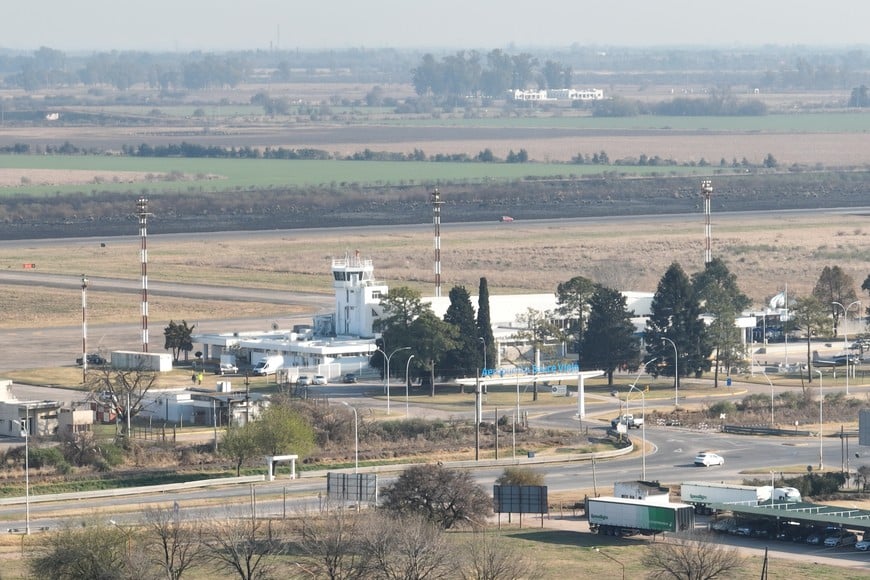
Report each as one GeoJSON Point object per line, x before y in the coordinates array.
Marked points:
{"type": "Point", "coordinates": [268, 365]}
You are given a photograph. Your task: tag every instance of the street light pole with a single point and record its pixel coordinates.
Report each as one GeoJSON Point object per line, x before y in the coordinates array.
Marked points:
{"type": "Point", "coordinates": [84, 329]}
{"type": "Point", "coordinates": [771, 398]}
{"type": "Point", "coordinates": [355, 437]}
{"type": "Point", "coordinates": [676, 372]}
{"type": "Point", "coordinates": [845, 338]}
{"type": "Point", "coordinates": [388, 357]}
{"type": "Point", "coordinates": [407, 366]}
{"type": "Point", "coordinates": [821, 461]}
{"type": "Point", "coordinates": [483, 340]}
{"type": "Point", "coordinates": [633, 386]}
{"type": "Point", "coordinates": [25, 430]}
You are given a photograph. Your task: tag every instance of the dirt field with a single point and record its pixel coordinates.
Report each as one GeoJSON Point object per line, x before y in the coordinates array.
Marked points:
{"type": "Point", "coordinates": [14, 177]}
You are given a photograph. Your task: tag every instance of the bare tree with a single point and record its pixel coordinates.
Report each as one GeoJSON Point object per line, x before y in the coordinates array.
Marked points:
{"type": "Point", "coordinates": [487, 558]}
{"type": "Point", "coordinates": [332, 541]}
{"type": "Point", "coordinates": [124, 390]}
{"type": "Point", "coordinates": [178, 546]}
{"type": "Point", "coordinates": [691, 558]}
{"type": "Point", "coordinates": [86, 552]}
{"type": "Point", "coordinates": [407, 547]}
{"type": "Point", "coordinates": [243, 546]}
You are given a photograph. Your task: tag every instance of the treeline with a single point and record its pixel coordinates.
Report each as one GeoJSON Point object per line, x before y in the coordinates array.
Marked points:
{"type": "Point", "coordinates": [715, 105]}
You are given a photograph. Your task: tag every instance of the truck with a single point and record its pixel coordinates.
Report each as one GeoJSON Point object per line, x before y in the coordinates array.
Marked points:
{"type": "Point", "coordinates": [702, 495]}
{"type": "Point", "coordinates": [616, 516]}
{"type": "Point", "coordinates": [628, 420]}
{"type": "Point", "coordinates": [268, 365]}
{"type": "Point", "coordinates": [786, 494]}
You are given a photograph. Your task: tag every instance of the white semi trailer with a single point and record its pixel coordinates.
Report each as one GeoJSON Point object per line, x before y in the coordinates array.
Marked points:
{"type": "Point", "coordinates": [702, 494]}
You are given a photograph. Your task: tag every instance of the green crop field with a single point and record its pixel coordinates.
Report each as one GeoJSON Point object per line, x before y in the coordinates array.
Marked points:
{"type": "Point", "coordinates": [241, 174]}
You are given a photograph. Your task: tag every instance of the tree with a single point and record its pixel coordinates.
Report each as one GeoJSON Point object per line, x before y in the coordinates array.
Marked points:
{"type": "Point", "coordinates": [572, 298]}
{"type": "Point", "coordinates": [242, 546]}
{"type": "Point", "coordinates": [239, 444]}
{"type": "Point", "coordinates": [486, 557]}
{"type": "Point", "coordinates": [484, 325]}
{"type": "Point", "coordinates": [406, 547]}
{"type": "Point", "coordinates": [96, 552]}
{"type": "Point", "coordinates": [537, 328]}
{"type": "Point", "coordinates": [178, 545]}
{"type": "Point", "coordinates": [465, 358]}
{"type": "Point", "coordinates": [717, 288]}
{"type": "Point", "coordinates": [676, 315]}
{"type": "Point", "coordinates": [442, 496]}
{"type": "Point", "coordinates": [835, 285]}
{"type": "Point", "coordinates": [401, 307]}
{"type": "Point", "coordinates": [609, 341]}
{"type": "Point", "coordinates": [124, 389]}
{"type": "Point", "coordinates": [333, 540]}
{"type": "Point", "coordinates": [520, 476]}
{"type": "Point", "coordinates": [691, 558]}
{"type": "Point", "coordinates": [810, 315]}
{"type": "Point", "coordinates": [177, 338]}
{"type": "Point", "coordinates": [432, 338]}
{"type": "Point", "coordinates": [280, 430]}
{"type": "Point", "coordinates": [859, 97]}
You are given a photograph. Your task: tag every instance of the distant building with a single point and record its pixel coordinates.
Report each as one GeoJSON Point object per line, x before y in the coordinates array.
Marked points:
{"type": "Point", "coordinates": [556, 95]}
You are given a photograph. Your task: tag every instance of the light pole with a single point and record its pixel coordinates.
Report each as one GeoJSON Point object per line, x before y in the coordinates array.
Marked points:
{"type": "Point", "coordinates": [25, 431]}
{"type": "Point", "coordinates": [771, 398]}
{"type": "Point", "coordinates": [845, 338]}
{"type": "Point", "coordinates": [483, 340]}
{"type": "Point", "coordinates": [84, 328]}
{"type": "Point", "coordinates": [633, 387]}
{"type": "Point", "coordinates": [407, 367]}
{"type": "Point", "coordinates": [676, 372]}
{"type": "Point", "coordinates": [355, 437]}
{"type": "Point", "coordinates": [821, 461]}
{"type": "Point", "coordinates": [621, 565]}
{"type": "Point", "coordinates": [388, 357]}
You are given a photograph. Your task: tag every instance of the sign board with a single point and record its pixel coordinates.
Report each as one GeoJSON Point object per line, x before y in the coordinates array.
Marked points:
{"type": "Point", "coordinates": [864, 427]}
{"type": "Point", "coordinates": [520, 499]}
{"type": "Point", "coordinates": [621, 428]}
{"type": "Point", "coordinates": [559, 390]}
{"type": "Point", "coordinates": [352, 487]}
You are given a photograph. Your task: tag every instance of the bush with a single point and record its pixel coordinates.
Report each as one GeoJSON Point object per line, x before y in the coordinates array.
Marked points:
{"type": "Point", "coordinates": [717, 409]}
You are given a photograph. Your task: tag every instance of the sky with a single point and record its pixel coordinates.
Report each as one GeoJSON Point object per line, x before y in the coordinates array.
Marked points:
{"type": "Point", "coordinates": [224, 25]}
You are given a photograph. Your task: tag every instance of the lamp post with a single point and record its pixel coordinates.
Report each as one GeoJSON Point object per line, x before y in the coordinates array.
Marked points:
{"type": "Point", "coordinates": [355, 437]}
{"type": "Point", "coordinates": [84, 328]}
{"type": "Point", "coordinates": [407, 367]}
{"type": "Point", "coordinates": [771, 398]}
{"type": "Point", "coordinates": [845, 338]}
{"type": "Point", "coordinates": [633, 387]}
{"type": "Point", "coordinates": [621, 565]}
{"type": "Point", "coordinates": [483, 340]}
{"type": "Point", "coordinates": [821, 461]}
{"type": "Point", "coordinates": [676, 371]}
{"type": "Point", "coordinates": [25, 431]}
{"type": "Point", "coordinates": [388, 357]}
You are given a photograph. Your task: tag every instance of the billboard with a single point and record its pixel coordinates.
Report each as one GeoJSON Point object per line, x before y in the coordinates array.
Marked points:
{"type": "Point", "coordinates": [355, 487]}
{"type": "Point", "coordinates": [520, 499]}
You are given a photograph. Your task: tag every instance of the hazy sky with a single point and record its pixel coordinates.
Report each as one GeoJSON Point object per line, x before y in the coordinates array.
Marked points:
{"type": "Point", "coordinates": [217, 25]}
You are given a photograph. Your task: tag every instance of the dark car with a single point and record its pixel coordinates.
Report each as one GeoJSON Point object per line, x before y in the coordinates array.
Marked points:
{"type": "Point", "coordinates": [349, 378]}
{"type": "Point", "coordinates": [93, 359]}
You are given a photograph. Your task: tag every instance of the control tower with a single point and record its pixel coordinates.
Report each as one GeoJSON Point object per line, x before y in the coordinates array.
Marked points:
{"type": "Point", "coordinates": [357, 296]}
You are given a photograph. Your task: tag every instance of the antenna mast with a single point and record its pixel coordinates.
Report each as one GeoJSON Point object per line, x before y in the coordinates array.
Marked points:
{"type": "Point", "coordinates": [707, 192]}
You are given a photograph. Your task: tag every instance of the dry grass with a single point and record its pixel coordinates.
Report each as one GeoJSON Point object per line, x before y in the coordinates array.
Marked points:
{"type": "Point", "coordinates": [765, 252]}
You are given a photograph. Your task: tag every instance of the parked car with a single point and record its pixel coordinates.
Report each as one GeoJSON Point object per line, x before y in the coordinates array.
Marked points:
{"type": "Point", "coordinates": [706, 459]}
{"type": "Point", "coordinates": [227, 369]}
{"type": "Point", "coordinates": [349, 378]}
{"type": "Point", "coordinates": [93, 359]}
{"type": "Point", "coordinates": [863, 545]}
{"type": "Point", "coordinates": [303, 381]}
{"type": "Point", "coordinates": [815, 538]}
{"type": "Point", "coordinates": [847, 539]}
{"type": "Point", "coordinates": [320, 380]}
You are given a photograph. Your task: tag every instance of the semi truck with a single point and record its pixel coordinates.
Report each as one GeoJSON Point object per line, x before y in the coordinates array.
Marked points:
{"type": "Point", "coordinates": [616, 516]}
{"type": "Point", "coordinates": [702, 494]}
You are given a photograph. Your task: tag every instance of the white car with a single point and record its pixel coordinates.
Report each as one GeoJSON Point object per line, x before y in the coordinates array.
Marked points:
{"type": "Point", "coordinates": [863, 545]}
{"type": "Point", "coordinates": [320, 380]}
{"type": "Point", "coordinates": [303, 381]}
{"type": "Point", "coordinates": [228, 369]}
{"type": "Point", "coordinates": [706, 459]}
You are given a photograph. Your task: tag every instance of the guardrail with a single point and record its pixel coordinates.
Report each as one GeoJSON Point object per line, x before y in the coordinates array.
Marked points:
{"type": "Point", "coordinates": [757, 430]}
{"type": "Point", "coordinates": [122, 491]}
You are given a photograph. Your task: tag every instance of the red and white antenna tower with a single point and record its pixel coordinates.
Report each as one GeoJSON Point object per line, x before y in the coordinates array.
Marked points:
{"type": "Point", "coordinates": [707, 192]}
{"type": "Point", "coordinates": [142, 211]}
{"type": "Point", "coordinates": [436, 216]}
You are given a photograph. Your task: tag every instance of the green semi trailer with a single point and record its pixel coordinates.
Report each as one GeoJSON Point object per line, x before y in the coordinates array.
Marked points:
{"type": "Point", "coordinates": [615, 516]}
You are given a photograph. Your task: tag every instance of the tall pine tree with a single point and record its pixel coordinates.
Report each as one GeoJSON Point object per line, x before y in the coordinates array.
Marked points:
{"type": "Point", "coordinates": [484, 327]}
{"type": "Point", "coordinates": [465, 358]}
{"type": "Point", "coordinates": [609, 341]}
